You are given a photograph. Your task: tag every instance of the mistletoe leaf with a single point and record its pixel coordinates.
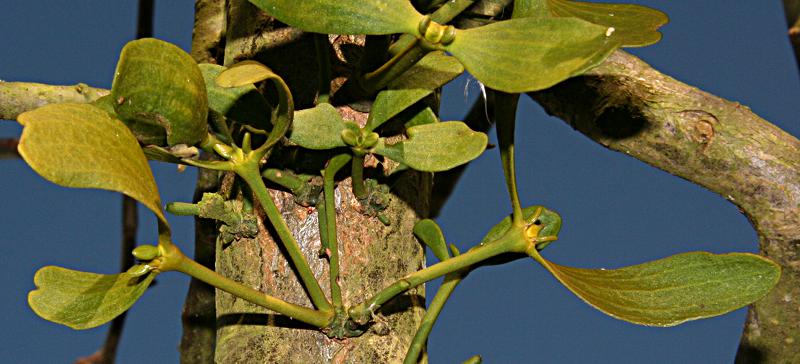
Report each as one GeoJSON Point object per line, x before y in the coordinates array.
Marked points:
{"type": "Point", "coordinates": [430, 73]}
{"type": "Point", "coordinates": [243, 103]}
{"type": "Point", "coordinates": [157, 83]}
{"type": "Point", "coordinates": [529, 54]}
{"type": "Point", "coordinates": [249, 72]}
{"type": "Point", "coordinates": [83, 300]}
{"type": "Point", "coordinates": [631, 25]}
{"type": "Point", "coordinates": [82, 146]}
{"type": "Point", "coordinates": [673, 290]}
{"type": "Point", "coordinates": [345, 16]}
{"type": "Point", "coordinates": [436, 147]}
{"type": "Point", "coordinates": [429, 233]}
{"type": "Point", "coordinates": [318, 128]}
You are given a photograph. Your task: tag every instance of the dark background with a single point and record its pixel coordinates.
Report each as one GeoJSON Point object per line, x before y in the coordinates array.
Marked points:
{"type": "Point", "coordinates": [617, 211]}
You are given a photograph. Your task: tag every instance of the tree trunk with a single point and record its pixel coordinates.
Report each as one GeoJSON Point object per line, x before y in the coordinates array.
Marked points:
{"type": "Point", "coordinates": [372, 255]}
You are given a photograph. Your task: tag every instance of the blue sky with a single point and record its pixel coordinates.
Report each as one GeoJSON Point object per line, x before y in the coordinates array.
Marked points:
{"type": "Point", "coordinates": [617, 211]}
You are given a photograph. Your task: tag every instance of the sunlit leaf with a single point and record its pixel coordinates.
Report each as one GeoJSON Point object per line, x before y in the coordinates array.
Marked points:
{"type": "Point", "coordinates": [429, 233]}
{"type": "Point", "coordinates": [147, 134]}
{"type": "Point", "coordinates": [432, 71]}
{"type": "Point", "coordinates": [318, 128]}
{"type": "Point", "coordinates": [345, 16]}
{"type": "Point", "coordinates": [249, 72]}
{"type": "Point", "coordinates": [672, 290]}
{"type": "Point", "coordinates": [159, 84]}
{"type": "Point", "coordinates": [631, 25]}
{"type": "Point", "coordinates": [80, 145]}
{"type": "Point", "coordinates": [84, 300]}
{"type": "Point", "coordinates": [436, 147]}
{"type": "Point", "coordinates": [425, 116]}
{"type": "Point", "coordinates": [529, 54]}
{"type": "Point", "coordinates": [244, 103]}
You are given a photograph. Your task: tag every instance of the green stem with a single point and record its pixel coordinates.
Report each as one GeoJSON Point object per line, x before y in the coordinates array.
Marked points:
{"type": "Point", "coordinates": [324, 62]}
{"type": "Point", "coordinates": [434, 309]}
{"type": "Point", "coordinates": [183, 209]}
{"type": "Point", "coordinates": [359, 188]}
{"type": "Point", "coordinates": [334, 165]}
{"type": "Point", "coordinates": [312, 317]}
{"type": "Point", "coordinates": [283, 178]}
{"type": "Point", "coordinates": [513, 241]}
{"type": "Point", "coordinates": [394, 67]}
{"type": "Point", "coordinates": [443, 15]}
{"type": "Point", "coordinates": [248, 171]}
{"type": "Point", "coordinates": [505, 110]}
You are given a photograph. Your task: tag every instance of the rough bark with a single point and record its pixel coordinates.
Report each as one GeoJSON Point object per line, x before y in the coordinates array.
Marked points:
{"type": "Point", "coordinates": [629, 107]}
{"type": "Point", "coordinates": [372, 255]}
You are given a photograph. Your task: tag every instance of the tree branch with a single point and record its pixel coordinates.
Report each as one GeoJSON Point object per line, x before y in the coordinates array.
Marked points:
{"type": "Point", "coordinates": [18, 97]}
{"type": "Point", "coordinates": [8, 148]}
{"type": "Point", "coordinates": [629, 107]}
{"type": "Point", "coordinates": [791, 8]}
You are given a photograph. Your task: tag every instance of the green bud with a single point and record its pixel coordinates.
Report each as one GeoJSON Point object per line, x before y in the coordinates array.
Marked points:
{"type": "Point", "coordinates": [146, 252]}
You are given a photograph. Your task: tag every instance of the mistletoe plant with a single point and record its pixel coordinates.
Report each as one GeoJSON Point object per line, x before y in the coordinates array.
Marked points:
{"type": "Point", "coordinates": [164, 107]}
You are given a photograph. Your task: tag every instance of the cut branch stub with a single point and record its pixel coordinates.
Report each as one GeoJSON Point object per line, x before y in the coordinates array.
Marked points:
{"type": "Point", "coordinates": [631, 25]}
{"type": "Point", "coordinates": [84, 300]}
{"type": "Point", "coordinates": [157, 83]}
{"type": "Point", "coordinates": [673, 290]}
{"type": "Point", "coordinates": [345, 16]}
{"type": "Point", "coordinates": [435, 147]}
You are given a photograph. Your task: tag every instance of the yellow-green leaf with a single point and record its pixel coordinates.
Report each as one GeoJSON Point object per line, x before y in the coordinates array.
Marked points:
{"type": "Point", "coordinates": [159, 84]}
{"type": "Point", "coordinates": [529, 54]}
{"type": "Point", "coordinates": [318, 128]}
{"type": "Point", "coordinates": [419, 81]}
{"type": "Point", "coordinates": [429, 233]}
{"type": "Point", "coordinates": [84, 300]}
{"type": "Point", "coordinates": [249, 72]}
{"type": "Point", "coordinates": [243, 103]}
{"type": "Point", "coordinates": [345, 16]}
{"type": "Point", "coordinates": [672, 290]}
{"type": "Point", "coordinates": [632, 25]}
{"type": "Point", "coordinates": [436, 147]}
{"type": "Point", "coordinates": [82, 146]}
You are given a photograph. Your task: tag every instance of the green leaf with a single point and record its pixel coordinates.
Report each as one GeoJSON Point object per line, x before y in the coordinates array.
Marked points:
{"type": "Point", "coordinates": [529, 54]}
{"type": "Point", "coordinates": [157, 83]}
{"type": "Point", "coordinates": [244, 103]}
{"type": "Point", "coordinates": [84, 300]}
{"type": "Point", "coordinates": [425, 116]}
{"type": "Point", "coordinates": [430, 73]}
{"type": "Point", "coordinates": [318, 128]}
{"type": "Point", "coordinates": [633, 25]}
{"type": "Point", "coordinates": [345, 16]}
{"type": "Point", "coordinates": [436, 147]}
{"type": "Point", "coordinates": [147, 134]}
{"type": "Point", "coordinates": [249, 72]}
{"type": "Point", "coordinates": [429, 233]}
{"type": "Point", "coordinates": [80, 145]}
{"type": "Point", "coordinates": [672, 290]}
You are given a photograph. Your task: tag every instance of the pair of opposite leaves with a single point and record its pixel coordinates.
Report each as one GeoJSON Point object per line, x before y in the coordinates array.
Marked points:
{"type": "Point", "coordinates": [660, 293]}
{"type": "Point", "coordinates": [158, 95]}
{"type": "Point", "coordinates": [547, 42]}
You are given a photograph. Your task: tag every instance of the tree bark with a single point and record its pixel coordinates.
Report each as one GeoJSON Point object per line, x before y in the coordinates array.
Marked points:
{"type": "Point", "coordinates": [627, 106]}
